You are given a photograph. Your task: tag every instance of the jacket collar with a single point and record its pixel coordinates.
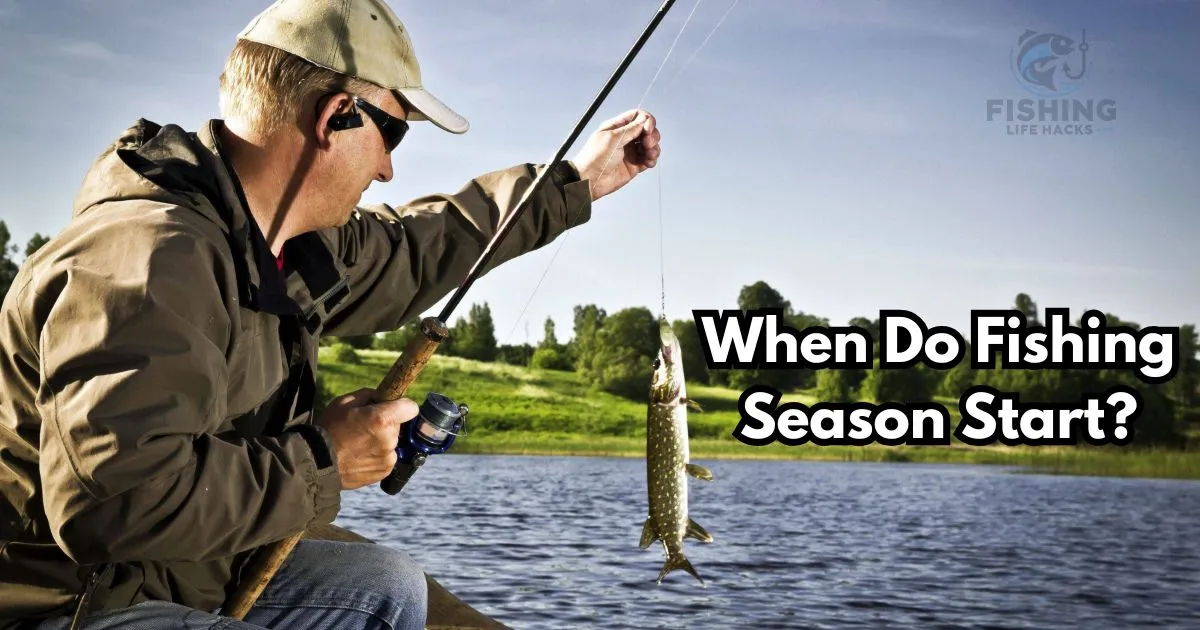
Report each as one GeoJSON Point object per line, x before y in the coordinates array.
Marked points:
{"type": "Point", "coordinates": [313, 281]}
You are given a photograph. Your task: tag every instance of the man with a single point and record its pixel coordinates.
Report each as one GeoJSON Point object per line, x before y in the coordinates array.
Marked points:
{"type": "Point", "coordinates": [158, 356]}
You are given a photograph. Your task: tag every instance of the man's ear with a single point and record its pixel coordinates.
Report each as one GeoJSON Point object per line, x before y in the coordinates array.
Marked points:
{"type": "Point", "coordinates": [335, 113]}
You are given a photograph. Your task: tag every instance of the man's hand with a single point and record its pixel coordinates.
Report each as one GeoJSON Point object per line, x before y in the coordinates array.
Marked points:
{"type": "Point", "coordinates": [365, 434]}
{"type": "Point", "coordinates": [622, 148]}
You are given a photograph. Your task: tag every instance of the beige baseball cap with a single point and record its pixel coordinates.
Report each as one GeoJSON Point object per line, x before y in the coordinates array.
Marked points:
{"type": "Point", "coordinates": [360, 38]}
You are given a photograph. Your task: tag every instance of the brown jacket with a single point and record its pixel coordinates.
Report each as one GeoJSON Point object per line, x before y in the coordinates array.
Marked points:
{"type": "Point", "coordinates": [158, 371]}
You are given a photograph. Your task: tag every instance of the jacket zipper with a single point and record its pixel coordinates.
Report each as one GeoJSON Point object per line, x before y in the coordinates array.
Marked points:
{"type": "Point", "coordinates": [85, 598]}
{"type": "Point", "coordinates": [320, 301]}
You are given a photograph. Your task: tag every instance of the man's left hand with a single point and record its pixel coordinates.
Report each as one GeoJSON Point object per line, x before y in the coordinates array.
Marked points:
{"type": "Point", "coordinates": [622, 148]}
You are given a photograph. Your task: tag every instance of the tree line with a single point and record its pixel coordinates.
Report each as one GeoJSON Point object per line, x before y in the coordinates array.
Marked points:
{"type": "Point", "coordinates": [9, 265]}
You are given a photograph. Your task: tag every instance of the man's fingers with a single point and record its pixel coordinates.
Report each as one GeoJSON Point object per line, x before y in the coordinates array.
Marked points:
{"type": "Point", "coordinates": [652, 156]}
{"type": "Point", "coordinates": [396, 412]}
{"type": "Point", "coordinates": [622, 120]}
{"type": "Point", "coordinates": [650, 124]}
{"type": "Point", "coordinates": [649, 141]}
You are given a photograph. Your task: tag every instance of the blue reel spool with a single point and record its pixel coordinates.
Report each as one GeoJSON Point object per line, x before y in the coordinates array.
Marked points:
{"type": "Point", "coordinates": [439, 421]}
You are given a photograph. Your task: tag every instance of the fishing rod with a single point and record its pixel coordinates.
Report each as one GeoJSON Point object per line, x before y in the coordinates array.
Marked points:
{"type": "Point", "coordinates": [438, 422]}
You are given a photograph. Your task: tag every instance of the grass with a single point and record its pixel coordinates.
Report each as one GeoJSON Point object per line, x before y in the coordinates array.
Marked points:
{"type": "Point", "coordinates": [516, 410]}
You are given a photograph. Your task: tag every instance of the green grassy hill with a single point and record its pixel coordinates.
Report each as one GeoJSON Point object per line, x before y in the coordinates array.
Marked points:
{"type": "Point", "coordinates": [516, 410]}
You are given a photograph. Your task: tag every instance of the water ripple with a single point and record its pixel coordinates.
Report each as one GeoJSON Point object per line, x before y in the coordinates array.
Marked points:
{"type": "Point", "coordinates": [544, 542]}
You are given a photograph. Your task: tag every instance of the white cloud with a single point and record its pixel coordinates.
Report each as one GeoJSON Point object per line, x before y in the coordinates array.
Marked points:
{"type": "Point", "coordinates": [88, 50]}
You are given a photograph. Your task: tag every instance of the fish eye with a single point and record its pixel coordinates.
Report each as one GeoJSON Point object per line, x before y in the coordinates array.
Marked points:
{"type": "Point", "coordinates": [657, 363]}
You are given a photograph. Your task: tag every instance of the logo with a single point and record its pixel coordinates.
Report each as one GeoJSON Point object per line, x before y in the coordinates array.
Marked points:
{"type": "Point", "coordinates": [1051, 66]}
{"type": "Point", "coordinates": [1043, 63]}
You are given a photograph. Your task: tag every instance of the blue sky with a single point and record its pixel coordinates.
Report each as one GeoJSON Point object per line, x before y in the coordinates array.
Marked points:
{"type": "Point", "coordinates": [838, 150]}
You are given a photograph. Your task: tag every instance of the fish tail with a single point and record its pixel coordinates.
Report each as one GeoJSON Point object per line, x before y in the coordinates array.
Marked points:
{"type": "Point", "coordinates": [675, 562]}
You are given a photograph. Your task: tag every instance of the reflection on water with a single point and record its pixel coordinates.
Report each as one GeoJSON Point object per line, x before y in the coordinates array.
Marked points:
{"type": "Point", "coordinates": [551, 542]}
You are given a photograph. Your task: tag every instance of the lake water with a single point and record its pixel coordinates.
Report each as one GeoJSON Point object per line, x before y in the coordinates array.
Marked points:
{"type": "Point", "coordinates": [551, 542]}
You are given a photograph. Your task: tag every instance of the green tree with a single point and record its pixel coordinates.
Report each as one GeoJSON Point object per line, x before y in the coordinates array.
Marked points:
{"type": "Point", "coordinates": [549, 340]}
{"type": "Point", "coordinates": [957, 379]}
{"type": "Point", "coordinates": [905, 385]}
{"type": "Point", "coordinates": [475, 336]}
{"type": "Point", "coordinates": [359, 342]}
{"type": "Point", "coordinates": [832, 386]}
{"type": "Point", "coordinates": [625, 347]}
{"type": "Point", "coordinates": [35, 243]}
{"type": "Point", "coordinates": [1028, 307]}
{"type": "Point", "coordinates": [760, 296]}
{"type": "Point", "coordinates": [8, 266]}
{"type": "Point", "coordinates": [346, 354]}
{"type": "Point", "coordinates": [854, 378]}
{"type": "Point", "coordinates": [397, 340]}
{"type": "Point", "coordinates": [695, 368]}
{"type": "Point", "coordinates": [1187, 379]}
{"type": "Point", "coordinates": [514, 354]}
{"type": "Point", "coordinates": [870, 325]}
{"type": "Point", "coordinates": [548, 358]}
{"type": "Point", "coordinates": [550, 354]}
{"type": "Point", "coordinates": [582, 348]}
{"type": "Point", "coordinates": [1158, 423]}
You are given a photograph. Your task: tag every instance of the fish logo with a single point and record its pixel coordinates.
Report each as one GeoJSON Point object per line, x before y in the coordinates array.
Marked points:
{"type": "Point", "coordinates": [1049, 64]}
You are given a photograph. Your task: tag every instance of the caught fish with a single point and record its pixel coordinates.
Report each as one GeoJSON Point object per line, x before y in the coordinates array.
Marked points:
{"type": "Point", "coordinates": [667, 459]}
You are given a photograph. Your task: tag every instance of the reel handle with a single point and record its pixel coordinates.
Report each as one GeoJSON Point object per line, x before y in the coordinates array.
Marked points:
{"type": "Point", "coordinates": [395, 482]}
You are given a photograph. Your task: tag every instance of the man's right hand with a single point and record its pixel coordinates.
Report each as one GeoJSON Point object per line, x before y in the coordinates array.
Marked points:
{"type": "Point", "coordinates": [365, 434]}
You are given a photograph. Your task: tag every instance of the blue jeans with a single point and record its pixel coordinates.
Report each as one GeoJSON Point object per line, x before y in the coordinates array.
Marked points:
{"type": "Point", "coordinates": [323, 585]}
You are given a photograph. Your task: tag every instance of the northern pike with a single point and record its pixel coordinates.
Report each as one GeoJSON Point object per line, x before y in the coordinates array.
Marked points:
{"type": "Point", "coordinates": [667, 459]}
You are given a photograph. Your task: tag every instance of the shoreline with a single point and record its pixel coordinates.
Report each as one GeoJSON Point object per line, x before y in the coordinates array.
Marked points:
{"type": "Point", "coordinates": [1179, 465]}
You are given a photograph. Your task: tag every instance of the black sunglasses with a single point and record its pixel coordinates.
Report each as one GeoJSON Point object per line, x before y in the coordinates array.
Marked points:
{"type": "Point", "coordinates": [391, 128]}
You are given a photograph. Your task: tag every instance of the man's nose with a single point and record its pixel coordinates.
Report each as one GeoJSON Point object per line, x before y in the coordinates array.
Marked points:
{"type": "Point", "coordinates": [385, 170]}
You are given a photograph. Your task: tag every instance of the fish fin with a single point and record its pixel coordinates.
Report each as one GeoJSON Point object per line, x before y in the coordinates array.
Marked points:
{"type": "Point", "coordinates": [691, 404]}
{"type": "Point", "coordinates": [678, 562]}
{"type": "Point", "coordinates": [699, 472]}
{"type": "Point", "coordinates": [694, 530]}
{"type": "Point", "coordinates": [648, 535]}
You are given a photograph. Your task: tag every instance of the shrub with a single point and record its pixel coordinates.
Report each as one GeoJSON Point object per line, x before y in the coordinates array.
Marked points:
{"type": "Point", "coordinates": [343, 353]}
{"type": "Point", "coordinates": [832, 386]}
{"type": "Point", "coordinates": [550, 359]}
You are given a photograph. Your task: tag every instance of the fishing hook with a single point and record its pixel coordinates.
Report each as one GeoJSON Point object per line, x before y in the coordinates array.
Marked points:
{"type": "Point", "coordinates": [1083, 48]}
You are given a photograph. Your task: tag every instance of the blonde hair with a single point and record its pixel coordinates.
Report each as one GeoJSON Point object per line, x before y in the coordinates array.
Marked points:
{"type": "Point", "coordinates": [265, 87]}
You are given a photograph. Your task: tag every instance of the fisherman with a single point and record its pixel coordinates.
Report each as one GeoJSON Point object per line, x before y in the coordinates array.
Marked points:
{"type": "Point", "coordinates": [158, 356]}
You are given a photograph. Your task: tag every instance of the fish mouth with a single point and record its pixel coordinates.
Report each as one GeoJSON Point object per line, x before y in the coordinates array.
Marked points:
{"type": "Point", "coordinates": [666, 334]}
{"type": "Point", "coordinates": [669, 342]}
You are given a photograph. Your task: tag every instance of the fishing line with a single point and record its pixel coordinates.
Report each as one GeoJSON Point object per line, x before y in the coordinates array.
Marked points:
{"type": "Point", "coordinates": [662, 261]}
{"type": "Point", "coordinates": [662, 265]}
{"type": "Point", "coordinates": [620, 146]}
{"type": "Point", "coordinates": [687, 63]}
